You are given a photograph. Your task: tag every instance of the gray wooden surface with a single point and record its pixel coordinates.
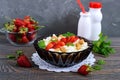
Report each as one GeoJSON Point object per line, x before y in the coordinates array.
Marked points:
{"type": "Point", "coordinates": [10, 71]}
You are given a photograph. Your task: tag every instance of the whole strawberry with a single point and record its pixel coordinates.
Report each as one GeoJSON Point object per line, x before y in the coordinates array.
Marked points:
{"type": "Point", "coordinates": [22, 60]}
{"type": "Point", "coordinates": [84, 69]}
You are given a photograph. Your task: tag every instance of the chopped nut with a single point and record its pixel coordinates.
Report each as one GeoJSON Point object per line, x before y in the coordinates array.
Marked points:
{"type": "Point", "coordinates": [63, 49]}
{"type": "Point", "coordinates": [78, 46]}
{"type": "Point", "coordinates": [61, 36]}
{"type": "Point", "coordinates": [81, 41]}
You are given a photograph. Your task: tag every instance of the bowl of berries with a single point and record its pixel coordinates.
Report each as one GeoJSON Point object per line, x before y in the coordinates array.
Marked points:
{"type": "Point", "coordinates": [63, 50]}
{"type": "Point", "coordinates": [21, 32]}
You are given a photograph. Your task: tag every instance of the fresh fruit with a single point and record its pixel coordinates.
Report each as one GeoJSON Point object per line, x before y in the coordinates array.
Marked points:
{"type": "Point", "coordinates": [12, 37]}
{"type": "Point", "coordinates": [26, 27]}
{"type": "Point", "coordinates": [65, 41]}
{"type": "Point", "coordinates": [50, 45]}
{"type": "Point", "coordinates": [84, 69]}
{"type": "Point", "coordinates": [22, 60]}
{"type": "Point", "coordinates": [25, 39]}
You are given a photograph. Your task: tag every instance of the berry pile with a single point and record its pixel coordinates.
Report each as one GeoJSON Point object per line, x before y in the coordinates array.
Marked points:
{"type": "Point", "coordinates": [22, 30]}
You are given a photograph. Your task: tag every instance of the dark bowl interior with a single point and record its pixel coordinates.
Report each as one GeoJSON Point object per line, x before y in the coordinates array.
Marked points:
{"type": "Point", "coordinates": [62, 59]}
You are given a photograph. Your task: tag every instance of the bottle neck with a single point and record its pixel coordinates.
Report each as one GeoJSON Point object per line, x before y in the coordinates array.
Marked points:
{"type": "Point", "coordinates": [95, 9]}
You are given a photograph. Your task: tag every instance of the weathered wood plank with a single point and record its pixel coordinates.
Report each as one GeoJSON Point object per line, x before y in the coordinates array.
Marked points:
{"type": "Point", "coordinates": [9, 70]}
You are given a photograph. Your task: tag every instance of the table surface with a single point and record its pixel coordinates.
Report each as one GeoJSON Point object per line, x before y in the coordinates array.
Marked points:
{"type": "Point", "coordinates": [10, 71]}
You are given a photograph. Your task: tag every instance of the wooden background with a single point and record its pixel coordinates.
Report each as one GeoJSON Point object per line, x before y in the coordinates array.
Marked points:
{"type": "Point", "coordinates": [10, 71]}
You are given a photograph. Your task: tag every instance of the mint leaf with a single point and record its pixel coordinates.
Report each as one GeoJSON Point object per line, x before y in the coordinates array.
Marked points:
{"type": "Point", "coordinates": [70, 44]}
{"type": "Point", "coordinates": [103, 46]}
{"type": "Point", "coordinates": [41, 44]}
{"type": "Point", "coordinates": [100, 62]}
{"type": "Point", "coordinates": [97, 67]}
{"type": "Point", "coordinates": [68, 34]}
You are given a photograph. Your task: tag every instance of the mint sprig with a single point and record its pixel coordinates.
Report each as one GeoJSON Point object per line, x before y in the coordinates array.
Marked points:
{"type": "Point", "coordinates": [103, 46]}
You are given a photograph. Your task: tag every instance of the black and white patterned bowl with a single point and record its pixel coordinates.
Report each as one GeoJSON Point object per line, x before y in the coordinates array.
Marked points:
{"type": "Point", "coordinates": [65, 59]}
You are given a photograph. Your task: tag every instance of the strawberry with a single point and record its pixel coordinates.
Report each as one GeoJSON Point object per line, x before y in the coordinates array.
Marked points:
{"type": "Point", "coordinates": [30, 27]}
{"type": "Point", "coordinates": [64, 40]}
{"type": "Point", "coordinates": [50, 45]}
{"type": "Point", "coordinates": [27, 18]}
{"type": "Point", "coordinates": [12, 37]}
{"type": "Point", "coordinates": [57, 46]}
{"type": "Point", "coordinates": [25, 39]}
{"type": "Point", "coordinates": [31, 36]}
{"type": "Point", "coordinates": [84, 69]}
{"type": "Point", "coordinates": [61, 43]}
{"type": "Point", "coordinates": [19, 22]}
{"type": "Point", "coordinates": [22, 60]}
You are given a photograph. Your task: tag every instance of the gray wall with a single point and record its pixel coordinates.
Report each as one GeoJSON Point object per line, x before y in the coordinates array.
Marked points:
{"type": "Point", "coordinates": [60, 16]}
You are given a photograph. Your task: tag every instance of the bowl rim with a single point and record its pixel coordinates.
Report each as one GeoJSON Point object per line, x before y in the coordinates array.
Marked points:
{"type": "Point", "coordinates": [19, 32]}
{"type": "Point", "coordinates": [35, 43]}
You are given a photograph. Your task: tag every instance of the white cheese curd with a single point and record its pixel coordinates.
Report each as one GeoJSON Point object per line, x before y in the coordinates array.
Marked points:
{"type": "Point", "coordinates": [47, 40]}
{"type": "Point", "coordinates": [70, 48]}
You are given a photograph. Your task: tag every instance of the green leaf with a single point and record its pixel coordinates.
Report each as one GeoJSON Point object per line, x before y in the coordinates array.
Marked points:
{"type": "Point", "coordinates": [97, 67]}
{"type": "Point", "coordinates": [103, 46]}
{"type": "Point", "coordinates": [68, 34]}
{"type": "Point", "coordinates": [70, 44]}
{"type": "Point", "coordinates": [100, 62]}
{"type": "Point", "coordinates": [11, 56]}
{"type": "Point", "coordinates": [19, 52]}
{"type": "Point", "coordinates": [41, 44]}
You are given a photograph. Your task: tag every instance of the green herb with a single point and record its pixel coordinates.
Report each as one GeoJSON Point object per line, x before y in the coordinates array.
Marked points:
{"type": "Point", "coordinates": [100, 62]}
{"type": "Point", "coordinates": [97, 67]}
{"type": "Point", "coordinates": [68, 34]}
{"type": "Point", "coordinates": [41, 44]}
{"type": "Point", "coordinates": [103, 46]}
{"type": "Point", "coordinates": [70, 44]}
{"type": "Point", "coordinates": [19, 52]}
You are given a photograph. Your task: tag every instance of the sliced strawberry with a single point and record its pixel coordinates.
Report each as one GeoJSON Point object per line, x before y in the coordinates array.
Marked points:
{"type": "Point", "coordinates": [61, 43]}
{"type": "Point", "coordinates": [84, 69]}
{"type": "Point", "coordinates": [57, 46]}
{"type": "Point", "coordinates": [50, 45]}
{"type": "Point", "coordinates": [64, 40]}
{"type": "Point", "coordinates": [73, 38]}
{"type": "Point", "coordinates": [25, 39]}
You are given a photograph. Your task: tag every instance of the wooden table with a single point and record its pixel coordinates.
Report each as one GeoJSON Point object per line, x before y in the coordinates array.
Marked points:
{"type": "Point", "coordinates": [10, 71]}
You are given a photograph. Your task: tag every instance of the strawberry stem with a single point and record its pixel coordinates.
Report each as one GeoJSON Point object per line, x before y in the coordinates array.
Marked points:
{"type": "Point", "coordinates": [19, 52]}
{"type": "Point", "coordinates": [11, 56]}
